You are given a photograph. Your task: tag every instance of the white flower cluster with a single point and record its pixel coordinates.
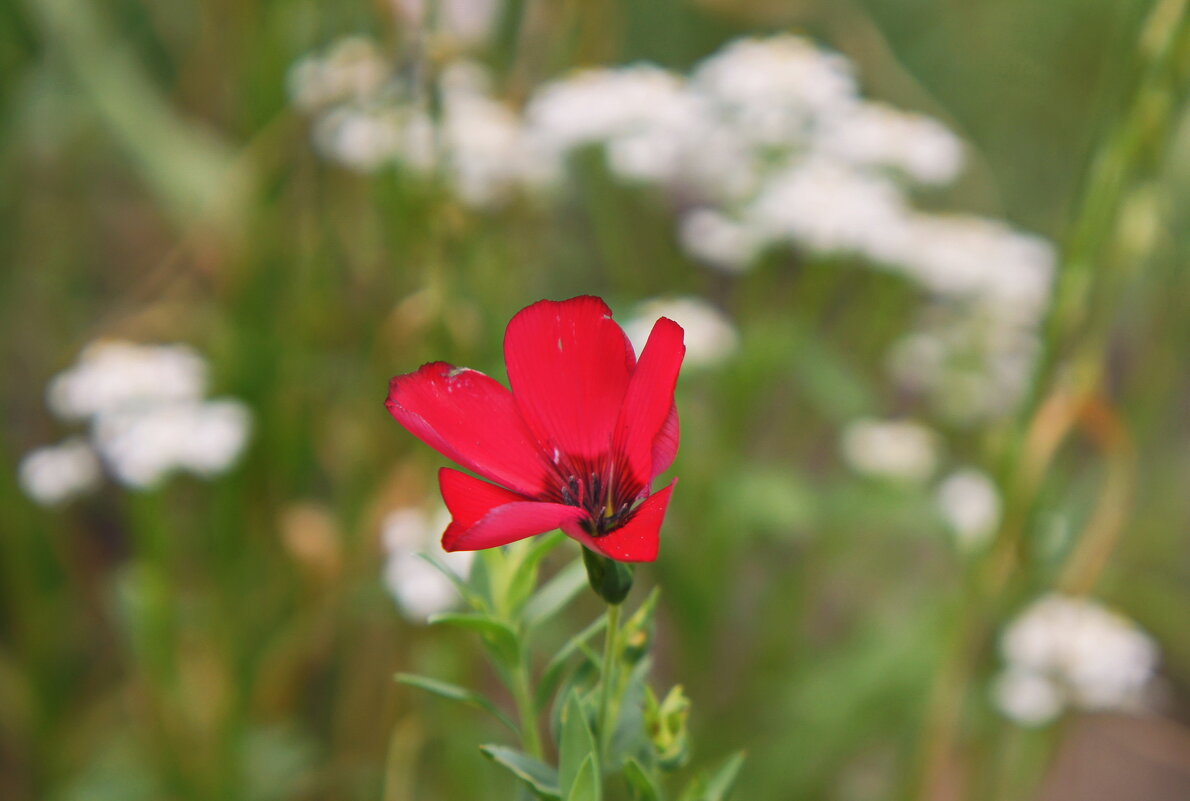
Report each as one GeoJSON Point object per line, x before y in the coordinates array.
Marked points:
{"type": "Point", "coordinates": [1071, 652]}
{"type": "Point", "coordinates": [767, 143]}
{"type": "Point", "coordinates": [147, 417]}
{"type": "Point", "coordinates": [969, 504]}
{"type": "Point", "coordinates": [419, 589]}
{"type": "Point", "coordinates": [365, 118]}
{"type": "Point", "coordinates": [890, 449]}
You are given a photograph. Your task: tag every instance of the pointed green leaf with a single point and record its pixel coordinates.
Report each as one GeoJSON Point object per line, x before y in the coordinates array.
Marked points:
{"type": "Point", "coordinates": [454, 692]}
{"type": "Point", "coordinates": [642, 785]}
{"type": "Point", "coordinates": [469, 595]}
{"type": "Point", "coordinates": [499, 635]}
{"type": "Point", "coordinates": [524, 577]}
{"type": "Point", "coordinates": [533, 772]}
{"type": "Point", "coordinates": [717, 786]}
{"type": "Point", "coordinates": [551, 677]}
{"type": "Point", "coordinates": [575, 742]}
{"type": "Point", "coordinates": [586, 784]}
{"type": "Point", "coordinates": [555, 594]}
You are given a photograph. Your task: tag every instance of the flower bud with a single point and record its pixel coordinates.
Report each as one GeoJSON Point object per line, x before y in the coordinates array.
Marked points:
{"type": "Point", "coordinates": [666, 725]}
{"type": "Point", "coordinates": [610, 579]}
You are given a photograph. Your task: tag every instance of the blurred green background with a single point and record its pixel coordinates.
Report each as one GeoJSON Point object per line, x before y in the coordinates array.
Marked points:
{"type": "Point", "coordinates": [157, 185]}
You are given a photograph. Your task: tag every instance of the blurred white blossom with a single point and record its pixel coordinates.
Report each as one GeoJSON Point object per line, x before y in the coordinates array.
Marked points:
{"type": "Point", "coordinates": [463, 23]}
{"type": "Point", "coordinates": [710, 336]}
{"type": "Point", "coordinates": [419, 589]}
{"type": "Point", "coordinates": [353, 68]}
{"type": "Point", "coordinates": [718, 240]}
{"type": "Point", "coordinates": [111, 375]}
{"type": "Point", "coordinates": [899, 449]}
{"type": "Point", "coordinates": [969, 503]}
{"type": "Point", "coordinates": [144, 445]}
{"type": "Point", "coordinates": [147, 416]}
{"type": "Point", "coordinates": [57, 473]}
{"type": "Point", "coordinates": [1065, 651]}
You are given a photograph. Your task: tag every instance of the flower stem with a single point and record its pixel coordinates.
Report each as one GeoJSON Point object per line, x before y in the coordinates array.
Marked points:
{"type": "Point", "coordinates": [607, 721]}
{"type": "Point", "coordinates": [527, 712]}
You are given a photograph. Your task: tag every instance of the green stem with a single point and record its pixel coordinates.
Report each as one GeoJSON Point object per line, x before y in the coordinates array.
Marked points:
{"type": "Point", "coordinates": [523, 694]}
{"type": "Point", "coordinates": [607, 720]}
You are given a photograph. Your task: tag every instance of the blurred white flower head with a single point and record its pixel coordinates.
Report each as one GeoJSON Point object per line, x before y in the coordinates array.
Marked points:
{"type": "Point", "coordinates": [57, 473]}
{"type": "Point", "coordinates": [969, 503]}
{"type": "Point", "coordinates": [896, 449]}
{"type": "Point", "coordinates": [718, 240]}
{"type": "Point", "coordinates": [829, 208]}
{"type": "Point", "coordinates": [111, 375]}
{"type": "Point", "coordinates": [418, 588]}
{"type": "Point", "coordinates": [772, 90]}
{"type": "Point", "coordinates": [353, 68]}
{"type": "Point", "coordinates": [144, 445]}
{"type": "Point", "coordinates": [876, 135]}
{"type": "Point", "coordinates": [710, 336]}
{"type": "Point", "coordinates": [1066, 651]}
{"type": "Point", "coordinates": [147, 416]}
{"type": "Point", "coordinates": [465, 23]}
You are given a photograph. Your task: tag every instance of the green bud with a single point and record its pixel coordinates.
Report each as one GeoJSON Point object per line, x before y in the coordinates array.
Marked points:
{"type": "Point", "coordinates": [610, 579]}
{"type": "Point", "coordinates": [638, 631]}
{"type": "Point", "coordinates": [666, 725]}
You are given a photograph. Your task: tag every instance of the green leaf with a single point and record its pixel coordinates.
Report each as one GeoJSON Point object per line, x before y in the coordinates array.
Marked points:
{"type": "Point", "coordinates": [642, 785]}
{"type": "Point", "coordinates": [575, 743]}
{"type": "Point", "coordinates": [454, 692]}
{"type": "Point", "coordinates": [505, 643]}
{"type": "Point", "coordinates": [717, 786]}
{"type": "Point", "coordinates": [542, 778]}
{"type": "Point", "coordinates": [524, 577]}
{"type": "Point", "coordinates": [586, 784]}
{"type": "Point", "coordinates": [551, 677]}
{"type": "Point", "coordinates": [469, 595]}
{"type": "Point", "coordinates": [555, 594]}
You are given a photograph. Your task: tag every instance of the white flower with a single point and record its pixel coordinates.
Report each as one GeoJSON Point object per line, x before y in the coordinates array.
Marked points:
{"type": "Point", "coordinates": [352, 69]}
{"type": "Point", "coordinates": [644, 114]}
{"type": "Point", "coordinates": [142, 445]}
{"type": "Point", "coordinates": [876, 135]}
{"type": "Point", "coordinates": [898, 449]}
{"type": "Point", "coordinates": [972, 362]}
{"type": "Point", "coordinates": [1095, 658]}
{"type": "Point", "coordinates": [718, 240]}
{"type": "Point", "coordinates": [970, 504]}
{"type": "Point", "coordinates": [773, 89]}
{"type": "Point", "coordinates": [1029, 698]}
{"type": "Point", "coordinates": [57, 473]}
{"type": "Point", "coordinates": [418, 587]}
{"type": "Point", "coordinates": [113, 374]}
{"type": "Point", "coordinates": [363, 139]}
{"type": "Point", "coordinates": [827, 208]}
{"type": "Point", "coordinates": [971, 257]}
{"type": "Point", "coordinates": [468, 23]}
{"type": "Point", "coordinates": [710, 336]}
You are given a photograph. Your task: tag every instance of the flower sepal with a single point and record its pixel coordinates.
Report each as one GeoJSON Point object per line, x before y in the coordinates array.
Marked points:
{"type": "Point", "coordinates": [611, 580]}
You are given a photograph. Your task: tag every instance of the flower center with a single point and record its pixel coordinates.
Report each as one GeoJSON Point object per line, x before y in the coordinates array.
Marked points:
{"type": "Point", "coordinates": [607, 494]}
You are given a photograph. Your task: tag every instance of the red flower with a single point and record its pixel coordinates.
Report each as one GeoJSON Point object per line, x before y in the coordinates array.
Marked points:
{"type": "Point", "coordinates": [575, 445]}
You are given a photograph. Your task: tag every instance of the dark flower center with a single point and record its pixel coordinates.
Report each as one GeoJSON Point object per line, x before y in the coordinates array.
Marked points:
{"type": "Point", "coordinates": [603, 487]}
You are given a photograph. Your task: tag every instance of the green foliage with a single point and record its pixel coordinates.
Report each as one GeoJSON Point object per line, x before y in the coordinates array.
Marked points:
{"type": "Point", "coordinates": [228, 638]}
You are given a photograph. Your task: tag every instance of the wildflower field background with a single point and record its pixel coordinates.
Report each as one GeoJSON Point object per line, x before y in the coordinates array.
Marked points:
{"type": "Point", "coordinates": [930, 536]}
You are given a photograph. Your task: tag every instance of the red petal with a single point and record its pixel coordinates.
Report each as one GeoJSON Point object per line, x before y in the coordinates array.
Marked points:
{"type": "Point", "coordinates": [665, 446]}
{"type": "Point", "coordinates": [569, 366]}
{"type": "Point", "coordinates": [469, 499]}
{"type": "Point", "coordinates": [471, 419]}
{"type": "Point", "coordinates": [638, 540]}
{"type": "Point", "coordinates": [649, 403]}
